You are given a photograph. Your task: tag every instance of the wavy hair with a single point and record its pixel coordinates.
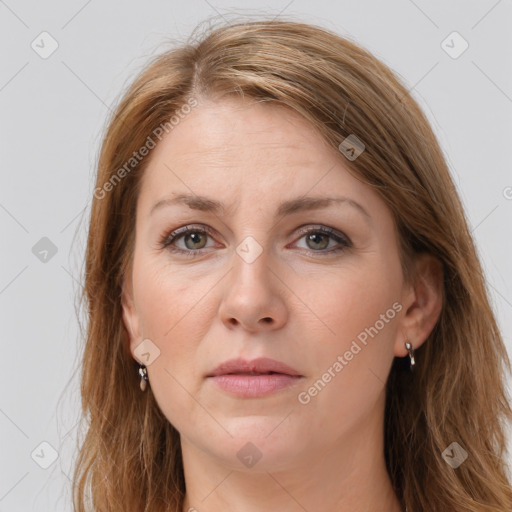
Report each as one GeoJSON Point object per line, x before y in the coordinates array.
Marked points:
{"type": "Point", "coordinates": [130, 456]}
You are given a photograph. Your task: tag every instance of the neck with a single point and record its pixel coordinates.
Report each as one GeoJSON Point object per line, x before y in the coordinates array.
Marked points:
{"type": "Point", "coordinates": [348, 477]}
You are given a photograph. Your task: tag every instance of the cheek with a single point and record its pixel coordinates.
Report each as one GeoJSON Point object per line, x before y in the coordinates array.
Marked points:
{"type": "Point", "coordinates": [168, 298]}
{"type": "Point", "coordinates": [356, 306]}
{"type": "Point", "coordinates": [165, 306]}
{"type": "Point", "coordinates": [354, 331]}
{"type": "Point", "coordinates": [174, 314]}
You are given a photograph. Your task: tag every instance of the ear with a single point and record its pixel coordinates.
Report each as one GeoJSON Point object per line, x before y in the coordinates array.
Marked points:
{"type": "Point", "coordinates": [422, 303]}
{"type": "Point", "coordinates": [130, 316]}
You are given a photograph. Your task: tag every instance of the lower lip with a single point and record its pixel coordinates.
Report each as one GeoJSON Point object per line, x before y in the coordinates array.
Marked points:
{"type": "Point", "coordinates": [254, 385]}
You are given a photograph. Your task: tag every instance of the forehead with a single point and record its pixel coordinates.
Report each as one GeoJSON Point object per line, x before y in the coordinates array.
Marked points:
{"type": "Point", "coordinates": [237, 150]}
{"type": "Point", "coordinates": [232, 127]}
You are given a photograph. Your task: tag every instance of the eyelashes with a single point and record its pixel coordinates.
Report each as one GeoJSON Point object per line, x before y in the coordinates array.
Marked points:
{"type": "Point", "coordinates": [312, 234]}
{"type": "Point", "coordinates": [169, 239]}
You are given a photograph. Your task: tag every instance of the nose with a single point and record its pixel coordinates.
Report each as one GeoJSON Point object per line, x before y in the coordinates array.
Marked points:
{"type": "Point", "coordinates": [253, 297]}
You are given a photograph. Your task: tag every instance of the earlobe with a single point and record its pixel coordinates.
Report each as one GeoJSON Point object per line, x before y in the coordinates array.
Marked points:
{"type": "Point", "coordinates": [130, 317]}
{"type": "Point", "coordinates": [424, 303]}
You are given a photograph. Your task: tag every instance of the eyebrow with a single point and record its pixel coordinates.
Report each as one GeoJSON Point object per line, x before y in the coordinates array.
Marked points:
{"type": "Point", "coordinates": [304, 203]}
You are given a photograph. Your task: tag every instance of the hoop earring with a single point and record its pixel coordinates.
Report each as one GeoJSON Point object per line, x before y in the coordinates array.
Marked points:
{"type": "Point", "coordinates": [410, 349]}
{"type": "Point", "coordinates": [143, 372]}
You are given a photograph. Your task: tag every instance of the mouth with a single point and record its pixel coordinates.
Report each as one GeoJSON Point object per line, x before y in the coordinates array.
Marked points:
{"type": "Point", "coordinates": [254, 373]}
{"type": "Point", "coordinates": [259, 366]}
{"type": "Point", "coordinates": [253, 379]}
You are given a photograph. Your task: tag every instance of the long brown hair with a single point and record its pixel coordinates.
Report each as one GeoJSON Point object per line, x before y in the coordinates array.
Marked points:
{"type": "Point", "coordinates": [130, 458]}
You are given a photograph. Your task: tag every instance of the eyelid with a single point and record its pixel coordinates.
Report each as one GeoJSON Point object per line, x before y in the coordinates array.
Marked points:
{"type": "Point", "coordinates": [169, 237]}
{"type": "Point", "coordinates": [308, 228]}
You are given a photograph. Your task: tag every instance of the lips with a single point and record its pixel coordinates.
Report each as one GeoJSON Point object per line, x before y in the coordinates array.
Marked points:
{"type": "Point", "coordinates": [260, 366]}
{"type": "Point", "coordinates": [253, 379]}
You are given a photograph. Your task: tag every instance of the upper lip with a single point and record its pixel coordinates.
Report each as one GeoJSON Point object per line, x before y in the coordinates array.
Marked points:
{"type": "Point", "coordinates": [260, 365]}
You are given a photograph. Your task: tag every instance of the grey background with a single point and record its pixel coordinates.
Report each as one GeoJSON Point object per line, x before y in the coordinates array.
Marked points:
{"type": "Point", "coordinates": [53, 112]}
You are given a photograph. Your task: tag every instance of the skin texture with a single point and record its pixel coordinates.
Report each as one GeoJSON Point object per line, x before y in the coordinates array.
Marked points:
{"type": "Point", "coordinates": [296, 302]}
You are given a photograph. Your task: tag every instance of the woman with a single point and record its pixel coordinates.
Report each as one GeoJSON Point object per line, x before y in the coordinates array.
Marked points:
{"type": "Point", "coordinates": [286, 311]}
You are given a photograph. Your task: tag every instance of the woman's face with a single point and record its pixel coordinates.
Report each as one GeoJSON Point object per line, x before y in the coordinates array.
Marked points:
{"type": "Point", "coordinates": [263, 275]}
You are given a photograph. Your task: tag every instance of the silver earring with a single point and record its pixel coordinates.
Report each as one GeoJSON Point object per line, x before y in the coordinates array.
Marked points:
{"type": "Point", "coordinates": [143, 372]}
{"type": "Point", "coordinates": [410, 349]}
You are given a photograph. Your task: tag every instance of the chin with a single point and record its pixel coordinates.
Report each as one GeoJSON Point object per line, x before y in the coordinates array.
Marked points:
{"type": "Point", "coordinates": [258, 443]}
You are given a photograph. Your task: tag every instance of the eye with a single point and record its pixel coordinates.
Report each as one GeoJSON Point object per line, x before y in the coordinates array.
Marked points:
{"type": "Point", "coordinates": [319, 238]}
{"type": "Point", "coordinates": [193, 238]}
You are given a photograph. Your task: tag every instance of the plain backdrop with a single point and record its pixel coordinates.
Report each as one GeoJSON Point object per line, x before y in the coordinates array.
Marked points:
{"type": "Point", "coordinates": [53, 111]}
